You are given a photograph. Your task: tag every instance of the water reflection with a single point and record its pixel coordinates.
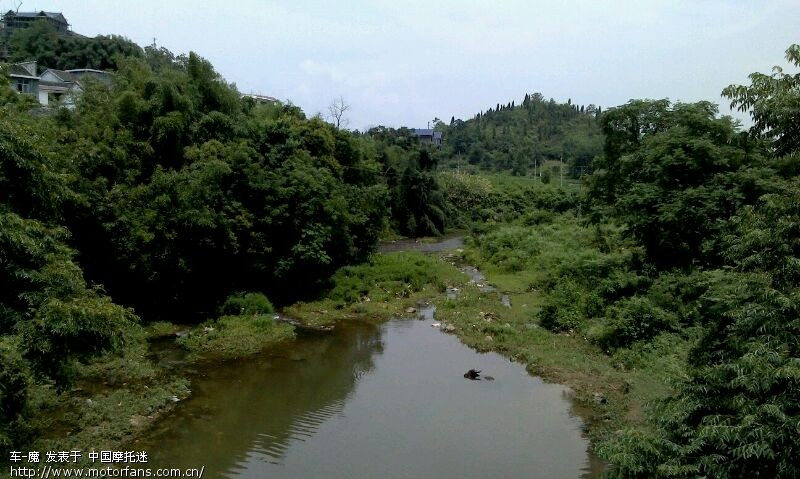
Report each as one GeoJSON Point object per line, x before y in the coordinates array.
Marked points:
{"type": "Point", "coordinates": [265, 404]}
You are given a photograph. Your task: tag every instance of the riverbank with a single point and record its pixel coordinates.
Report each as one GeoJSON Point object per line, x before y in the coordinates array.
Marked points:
{"type": "Point", "coordinates": [612, 388]}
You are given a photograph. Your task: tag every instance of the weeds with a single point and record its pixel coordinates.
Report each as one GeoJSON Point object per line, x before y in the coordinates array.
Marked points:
{"type": "Point", "coordinates": [381, 289]}
{"type": "Point", "coordinates": [231, 337]}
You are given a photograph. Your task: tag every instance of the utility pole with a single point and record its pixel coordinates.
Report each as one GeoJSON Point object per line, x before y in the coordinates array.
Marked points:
{"type": "Point", "coordinates": [562, 170]}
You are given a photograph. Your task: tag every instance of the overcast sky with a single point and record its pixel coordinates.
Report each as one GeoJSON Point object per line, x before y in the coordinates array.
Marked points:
{"type": "Point", "coordinates": [406, 62]}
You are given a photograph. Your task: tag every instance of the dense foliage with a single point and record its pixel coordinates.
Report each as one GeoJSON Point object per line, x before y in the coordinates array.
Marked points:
{"type": "Point", "coordinates": [169, 193]}
{"type": "Point", "coordinates": [189, 193]}
{"type": "Point", "coordinates": [736, 412]}
{"type": "Point", "coordinates": [416, 206]}
{"type": "Point", "coordinates": [695, 242]}
{"type": "Point", "coordinates": [49, 316]}
{"type": "Point", "coordinates": [523, 138]}
{"type": "Point", "coordinates": [41, 42]}
{"type": "Point", "coordinates": [674, 174]}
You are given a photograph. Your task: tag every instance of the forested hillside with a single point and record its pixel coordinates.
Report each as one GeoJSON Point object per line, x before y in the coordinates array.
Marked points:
{"type": "Point", "coordinates": [521, 138]}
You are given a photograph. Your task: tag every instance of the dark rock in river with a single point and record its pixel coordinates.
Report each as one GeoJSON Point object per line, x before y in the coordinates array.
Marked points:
{"type": "Point", "coordinates": [473, 374]}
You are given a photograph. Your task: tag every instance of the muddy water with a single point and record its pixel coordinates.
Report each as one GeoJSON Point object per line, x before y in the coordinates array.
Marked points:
{"type": "Point", "coordinates": [367, 401]}
{"type": "Point", "coordinates": [445, 243]}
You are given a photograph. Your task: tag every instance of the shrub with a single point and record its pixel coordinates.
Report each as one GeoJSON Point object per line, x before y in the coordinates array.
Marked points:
{"type": "Point", "coordinates": [635, 319]}
{"type": "Point", "coordinates": [511, 248]}
{"type": "Point", "coordinates": [14, 378]}
{"type": "Point", "coordinates": [568, 306]}
{"type": "Point", "coordinates": [76, 329]}
{"type": "Point", "coordinates": [236, 336]}
{"type": "Point", "coordinates": [389, 274]}
{"type": "Point", "coordinates": [538, 216]}
{"type": "Point", "coordinates": [246, 303]}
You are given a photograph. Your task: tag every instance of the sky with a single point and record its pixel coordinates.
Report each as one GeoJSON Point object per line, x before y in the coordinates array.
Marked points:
{"type": "Point", "coordinates": [404, 63]}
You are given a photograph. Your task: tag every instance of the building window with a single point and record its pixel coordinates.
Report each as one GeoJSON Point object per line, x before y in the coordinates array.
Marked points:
{"type": "Point", "coordinates": [25, 85]}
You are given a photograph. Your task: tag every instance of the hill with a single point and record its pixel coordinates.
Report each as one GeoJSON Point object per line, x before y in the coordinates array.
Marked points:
{"type": "Point", "coordinates": [522, 137]}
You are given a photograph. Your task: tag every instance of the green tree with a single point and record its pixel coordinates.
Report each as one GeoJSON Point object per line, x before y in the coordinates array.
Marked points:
{"type": "Point", "coordinates": [774, 104]}
{"type": "Point", "coordinates": [51, 49]}
{"type": "Point", "coordinates": [14, 381]}
{"type": "Point", "coordinates": [736, 412]}
{"type": "Point", "coordinates": [44, 296]}
{"type": "Point", "coordinates": [419, 210]}
{"type": "Point", "coordinates": [674, 174]}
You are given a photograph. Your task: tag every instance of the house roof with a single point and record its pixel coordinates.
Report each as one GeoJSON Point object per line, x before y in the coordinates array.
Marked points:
{"type": "Point", "coordinates": [65, 76]}
{"type": "Point", "coordinates": [57, 16]}
{"type": "Point", "coordinates": [258, 97]}
{"type": "Point", "coordinates": [20, 71]}
{"type": "Point", "coordinates": [85, 70]}
{"type": "Point", "coordinates": [428, 132]}
{"type": "Point", "coordinates": [81, 73]}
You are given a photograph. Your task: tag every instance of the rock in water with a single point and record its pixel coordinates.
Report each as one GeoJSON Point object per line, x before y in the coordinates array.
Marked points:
{"type": "Point", "coordinates": [472, 374]}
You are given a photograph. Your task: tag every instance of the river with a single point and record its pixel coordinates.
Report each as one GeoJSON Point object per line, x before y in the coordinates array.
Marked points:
{"type": "Point", "coordinates": [373, 401]}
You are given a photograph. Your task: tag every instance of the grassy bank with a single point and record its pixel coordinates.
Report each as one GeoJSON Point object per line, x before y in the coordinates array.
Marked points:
{"type": "Point", "coordinates": [235, 336]}
{"type": "Point", "coordinates": [381, 289]}
{"type": "Point", "coordinates": [611, 389]}
{"type": "Point", "coordinates": [114, 398]}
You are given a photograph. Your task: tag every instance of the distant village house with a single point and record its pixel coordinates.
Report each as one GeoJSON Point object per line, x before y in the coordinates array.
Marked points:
{"type": "Point", "coordinates": [24, 78]}
{"type": "Point", "coordinates": [428, 136]}
{"type": "Point", "coordinates": [13, 21]}
{"type": "Point", "coordinates": [16, 20]}
{"type": "Point", "coordinates": [262, 99]}
{"type": "Point", "coordinates": [59, 87]}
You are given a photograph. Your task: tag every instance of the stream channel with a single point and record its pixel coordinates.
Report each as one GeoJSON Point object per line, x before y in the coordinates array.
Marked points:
{"type": "Point", "coordinates": [373, 401]}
